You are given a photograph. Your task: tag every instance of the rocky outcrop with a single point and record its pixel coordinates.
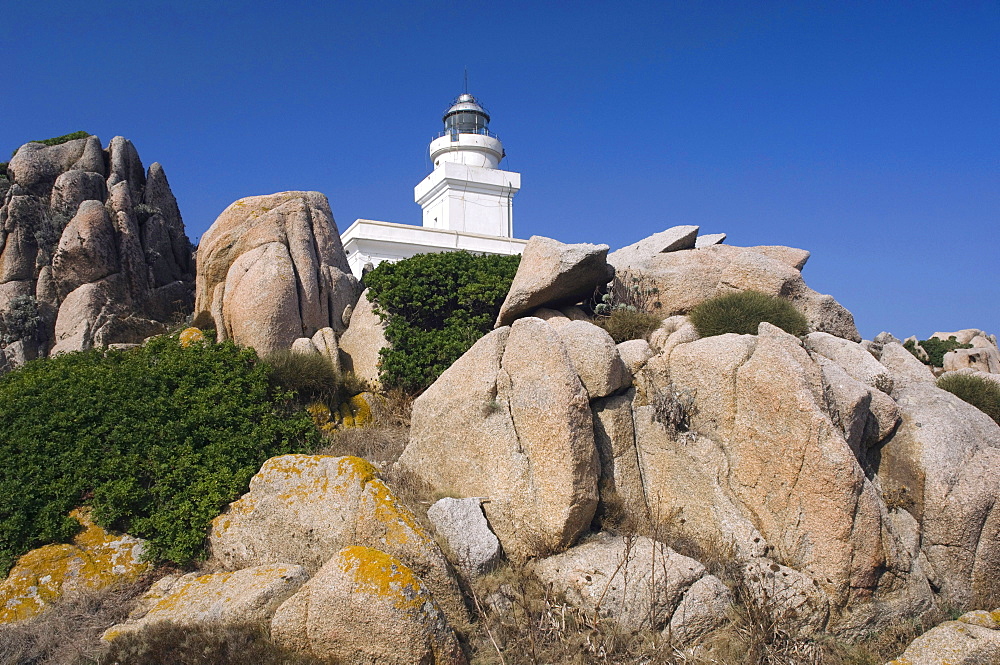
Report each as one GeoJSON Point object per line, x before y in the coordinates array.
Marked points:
{"type": "Point", "coordinates": [365, 606]}
{"type": "Point", "coordinates": [302, 509]}
{"type": "Point", "coordinates": [93, 245]}
{"type": "Point", "coordinates": [510, 421]}
{"type": "Point", "coordinates": [272, 269]}
{"type": "Point", "coordinates": [463, 526]}
{"type": "Point", "coordinates": [685, 277]}
{"type": "Point", "coordinates": [552, 274]}
{"type": "Point", "coordinates": [94, 560]}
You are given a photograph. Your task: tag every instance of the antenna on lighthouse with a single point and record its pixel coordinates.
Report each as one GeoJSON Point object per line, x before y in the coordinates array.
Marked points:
{"type": "Point", "coordinates": [466, 80]}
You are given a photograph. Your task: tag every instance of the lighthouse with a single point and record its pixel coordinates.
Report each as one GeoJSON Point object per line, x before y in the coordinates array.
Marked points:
{"type": "Point", "coordinates": [466, 200]}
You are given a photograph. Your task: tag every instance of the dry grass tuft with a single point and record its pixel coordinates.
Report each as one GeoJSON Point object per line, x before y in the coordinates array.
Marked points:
{"type": "Point", "coordinates": [69, 631]}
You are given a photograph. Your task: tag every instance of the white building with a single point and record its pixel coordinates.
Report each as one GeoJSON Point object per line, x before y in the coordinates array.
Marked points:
{"type": "Point", "coordinates": [467, 199]}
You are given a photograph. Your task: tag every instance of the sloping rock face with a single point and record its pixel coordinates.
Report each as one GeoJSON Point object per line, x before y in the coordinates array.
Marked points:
{"type": "Point", "coordinates": [95, 559]}
{"type": "Point", "coordinates": [362, 342]}
{"type": "Point", "coordinates": [92, 250]}
{"type": "Point", "coordinates": [302, 509]}
{"type": "Point", "coordinates": [272, 269]}
{"type": "Point", "coordinates": [510, 422]}
{"type": "Point", "coordinates": [685, 277]}
{"type": "Point", "coordinates": [365, 606]}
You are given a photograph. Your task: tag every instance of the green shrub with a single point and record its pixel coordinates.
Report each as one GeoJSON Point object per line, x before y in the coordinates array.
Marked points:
{"type": "Point", "coordinates": [435, 307]}
{"type": "Point", "coordinates": [626, 324]}
{"type": "Point", "coordinates": [742, 311]}
{"type": "Point", "coordinates": [935, 348]}
{"type": "Point", "coordinates": [21, 320]}
{"type": "Point", "coordinates": [3, 170]}
{"type": "Point", "coordinates": [976, 390]}
{"type": "Point", "coordinates": [57, 140]}
{"type": "Point", "coordinates": [158, 439]}
{"type": "Point", "coordinates": [311, 376]}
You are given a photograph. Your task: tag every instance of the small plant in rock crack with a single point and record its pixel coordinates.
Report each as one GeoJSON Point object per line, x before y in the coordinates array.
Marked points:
{"type": "Point", "coordinates": [673, 409]}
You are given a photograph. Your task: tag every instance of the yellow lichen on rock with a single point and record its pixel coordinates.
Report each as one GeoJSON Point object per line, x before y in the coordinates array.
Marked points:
{"type": "Point", "coordinates": [361, 409]}
{"type": "Point", "coordinates": [191, 336]}
{"type": "Point", "coordinates": [380, 574]}
{"type": "Point", "coordinates": [94, 560]}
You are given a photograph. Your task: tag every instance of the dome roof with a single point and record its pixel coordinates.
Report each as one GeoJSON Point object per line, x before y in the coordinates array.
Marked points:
{"type": "Point", "coordinates": [466, 103]}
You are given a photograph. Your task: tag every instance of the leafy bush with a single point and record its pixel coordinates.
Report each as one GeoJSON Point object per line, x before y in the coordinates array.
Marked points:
{"type": "Point", "coordinates": [3, 169]}
{"type": "Point", "coordinates": [626, 324]}
{"type": "Point", "coordinates": [935, 348]}
{"type": "Point", "coordinates": [57, 140]}
{"type": "Point", "coordinates": [742, 311]}
{"type": "Point", "coordinates": [435, 307]}
{"type": "Point", "coordinates": [158, 439]}
{"type": "Point", "coordinates": [980, 392]}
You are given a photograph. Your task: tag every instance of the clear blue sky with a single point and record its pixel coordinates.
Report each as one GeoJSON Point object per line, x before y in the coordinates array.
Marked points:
{"type": "Point", "coordinates": [865, 132]}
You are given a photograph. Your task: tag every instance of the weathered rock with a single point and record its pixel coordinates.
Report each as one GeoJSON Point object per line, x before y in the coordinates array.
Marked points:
{"type": "Point", "coordinates": [620, 480]}
{"type": "Point", "coordinates": [982, 359]}
{"type": "Point", "coordinates": [551, 316]}
{"type": "Point", "coordinates": [961, 336]}
{"type": "Point", "coordinates": [515, 422]}
{"type": "Point", "coordinates": [853, 358]}
{"type": "Point", "coordinates": [87, 249]}
{"type": "Point", "coordinates": [552, 274]}
{"type": "Point", "coordinates": [671, 240]}
{"type": "Point", "coordinates": [283, 267]}
{"type": "Point", "coordinates": [636, 581]}
{"type": "Point", "coordinates": [304, 346]}
{"type": "Point", "coordinates": [95, 559]}
{"type": "Point", "coordinates": [946, 454]}
{"type": "Point", "coordinates": [362, 342]}
{"type": "Point", "coordinates": [125, 166]}
{"type": "Point", "coordinates": [974, 639]}
{"type": "Point", "coordinates": [709, 239]}
{"type": "Point", "coordinates": [366, 607]}
{"type": "Point", "coordinates": [325, 341]}
{"type": "Point", "coordinates": [790, 597]}
{"type": "Point", "coordinates": [634, 353]}
{"type": "Point", "coordinates": [703, 608]}
{"type": "Point", "coordinates": [73, 188]}
{"type": "Point", "coordinates": [687, 277]}
{"type": "Point", "coordinates": [245, 596]}
{"type": "Point", "coordinates": [302, 509]}
{"type": "Point", "coordinates": [905, 368]}
{"type": "Point", "coordinates": [595, 358]}
{"type": "Point", "coordinates": [463, 525]}
{"type": "Point", "coordinates": [36, 166]}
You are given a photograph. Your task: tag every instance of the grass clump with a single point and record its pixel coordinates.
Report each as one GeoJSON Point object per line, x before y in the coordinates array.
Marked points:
{"type": "Point", "coordinates": [311, 376]}
{"type": "Point", "coordinates": [976, 390]}
{"type": "Point", "coordinates": [742, 312]}
{"type": "Point", "coordinates": [201, 644]}
{"type": "Point", "coordinates": [435, 306]}
{"type": "Point", "coordinates": [158, 439]}
{"type": "Point", "coordinates": [626, 324]}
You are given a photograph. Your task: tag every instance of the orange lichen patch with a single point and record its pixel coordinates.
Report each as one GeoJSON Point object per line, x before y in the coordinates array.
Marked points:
{"type": "Point", "coordinates": [401, 526]}
{"type": "Point", "coordinates": [191, 336]}
{"type": "Point", "coordinates": [356, 468]}
{"type": "Point", "coordinates": [94, 560]}
{"type": "Point", "coordinates": [380, 574]}
{"type": "Point", "coordinates": [361, 410]}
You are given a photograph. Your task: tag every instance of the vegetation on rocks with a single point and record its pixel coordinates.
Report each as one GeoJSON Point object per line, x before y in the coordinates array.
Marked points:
{"type": "Point", "coordinates": [57, 140]}
{"type": "Point", "coordinates": [158, 439]}
{"type": "Point", "coordinates": [21, 320]}
{"type": "Point", "coordinates": [625, 324]}
{"type": "Point", "coordinates": [935, 349]}
{"type": "Point", "coordinates": [435, 307]}
{"type": "Point", "coordinates": [742, 312]}
{"type": "Point", "coordinates": [976, 390]}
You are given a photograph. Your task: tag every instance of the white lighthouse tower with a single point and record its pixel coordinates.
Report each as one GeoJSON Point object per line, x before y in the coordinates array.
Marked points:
{"type": "Point", "coordinates": [466, 200]}
{"type": "Point", "coordinates": [467, 191]}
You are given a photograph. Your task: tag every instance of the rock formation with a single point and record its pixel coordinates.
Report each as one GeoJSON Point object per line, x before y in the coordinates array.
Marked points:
{"type": "Point", "coordinates": [272, 269]}
{"type": "Point", "coordinates": [92, 250]}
